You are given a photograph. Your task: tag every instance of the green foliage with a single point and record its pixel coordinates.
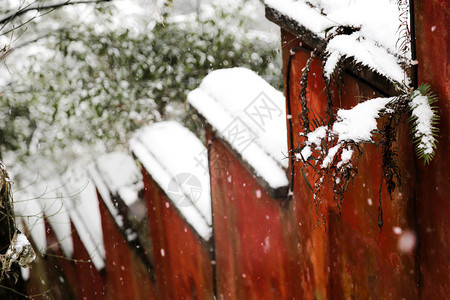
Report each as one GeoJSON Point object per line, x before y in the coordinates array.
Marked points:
{"type": "Point", "coordinates": [424, 119]}
{"type": "Point", "coordinates": [95, 88]}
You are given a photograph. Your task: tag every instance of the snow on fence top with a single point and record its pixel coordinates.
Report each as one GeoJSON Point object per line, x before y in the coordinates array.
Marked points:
{"type": "Point", "coordinates": [117, 175]}
{"type": "Point", "coordinates": [374, 43]}
{"type": "Point", "coordinates": [250, 115]}
{"type": "Point", "coordinates": [39, 200]}
{"type": "Point", "coordinates": [29, 215]}
{"type": "Point", "coordinates": [82, 204]}
{"type": "Point", "coordinates": [121, 175]}
{"type": "Point", "coordinates": [70, 197]}
{"type": "Point", "coordinates": [172, 155]}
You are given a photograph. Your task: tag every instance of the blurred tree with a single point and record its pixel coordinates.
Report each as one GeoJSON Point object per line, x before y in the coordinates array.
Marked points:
{"type": "Point", "coordinates": [87, 88]}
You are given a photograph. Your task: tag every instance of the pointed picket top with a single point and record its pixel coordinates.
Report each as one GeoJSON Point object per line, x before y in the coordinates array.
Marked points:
{"type": "Point", "coordinates": [177, 160]}
{"type": "Point", "coordinates": [250, 115]}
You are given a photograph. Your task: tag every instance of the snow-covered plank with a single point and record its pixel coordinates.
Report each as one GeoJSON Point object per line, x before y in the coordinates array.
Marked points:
{"type": "Point", "coordinates": [249, 114]}
{"type": "Point", "coordinates": [116, 175]}
{"type": "Point", "coordinates": [44, 199]}
{"type": "Point", "coordinates": [30, 217]}
{"type": "Point", "coordinates": [63, 199]}
{"type": "Point", "coordinates": [171, 153]}
{"type": "Point", "coordinates": [83, 208]}
{"type": "Point", "coordinates": [121, 175]}
{"type": "Point", "coordinates": [375, 42]}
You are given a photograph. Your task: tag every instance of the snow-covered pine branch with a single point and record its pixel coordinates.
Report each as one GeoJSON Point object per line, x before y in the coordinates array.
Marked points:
{"type": "Point", "coordinates": [424, 119]}
{"type": "Point", "coordinates": [353, 126]}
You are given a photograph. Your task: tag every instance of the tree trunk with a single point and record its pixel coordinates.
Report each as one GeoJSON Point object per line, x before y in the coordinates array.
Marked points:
{"type": "Point", "coordinates": [9, 284]}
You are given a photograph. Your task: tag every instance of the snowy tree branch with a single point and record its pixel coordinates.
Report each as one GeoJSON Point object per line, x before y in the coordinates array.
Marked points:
{"type": "Point", "coordinates": [8, 18]}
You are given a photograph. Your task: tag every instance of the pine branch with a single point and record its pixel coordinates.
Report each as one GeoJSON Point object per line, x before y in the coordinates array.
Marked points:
{"type": "Point", "coordinates": [425, 120]}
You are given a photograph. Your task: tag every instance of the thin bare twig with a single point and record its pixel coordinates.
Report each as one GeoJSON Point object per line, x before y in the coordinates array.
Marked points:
{"type": "Point", "coordinates": [26, 9]}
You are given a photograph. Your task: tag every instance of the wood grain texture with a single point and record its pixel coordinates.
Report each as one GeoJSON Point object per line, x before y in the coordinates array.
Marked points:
{"type": "Point", "coordinates": [182, 258]}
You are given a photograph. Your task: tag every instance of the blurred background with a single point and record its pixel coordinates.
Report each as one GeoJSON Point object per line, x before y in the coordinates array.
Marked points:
{"type": "Point", "coordinates": [77, 81]}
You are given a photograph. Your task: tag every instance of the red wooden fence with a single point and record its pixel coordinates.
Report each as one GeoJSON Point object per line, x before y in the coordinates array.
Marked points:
{"type": "Point", "coordinates": [253, 257]}
{"type": "Point", "coordinates": [269, 245]}
{"type": "Point", "coordinates": [432, 182]}
{"type": "Point", "coordinates": [182, 258]}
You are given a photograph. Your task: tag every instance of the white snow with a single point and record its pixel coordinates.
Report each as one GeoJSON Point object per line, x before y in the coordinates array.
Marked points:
{"type": "Point", "coordinates": [346, 156]}
{"type": "Point", "coordinates": [105, 193]}
{"type": "Point", "coordinates": [365, 51]}
{"type": "Point", "coordinates": [58, 217]}
{"type": "Point", "coordinates": [397, 230]}
{"type": "Point", "coordinates": [352, 125]}
{"type": "Point", "coordinates": [313, 138]}
{"type": "Point", "coordinates": [330, 156]}
{"type": "Point", "coordinates": [374, 44]}
{"type": "Point", "coordinates": [302, 13]}
{"type": "Point", "coordinates": [317, 135]}
{"type": "Point", "coordinates": [423, 113]}
{"type": "Point", "coordinates": [29, 215]}
{"type": "Point", "coordinates": [84, 211]}
{"type": "Point", "coordinates": [407, 241]}
{"type": "Point", "coordinates": [171, 153]}
{"type": "Point", "coordinates": [305, 153]}
{"type": "Point", "coordinates": [17, 246]}
{"type": "Point", "coordinates": [117, 173]}
{"type": "Point", "coordinates": [250, 115]}
{"type": "Point", "coordinates": [121, 175]}
{"type": "Point", "coordinates": [357, 124]}
{"type": "Point", "coordinates": [44, 198]}
{"type": "Point", "coordinates": [65, 198]}
{"type": "Point", "coordinates": [25, 272]}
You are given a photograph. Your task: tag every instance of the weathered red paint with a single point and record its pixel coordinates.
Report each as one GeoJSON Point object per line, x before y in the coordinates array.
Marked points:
{"type": "Point", "coordinates": [269, 248]}
{"type": "Point", "coordinates": [182, 259]}
{"type": "Point", "coordinates": [253, 260]}
{"type": "Point", "coordinates": [311, 241]}
{"type": "Point", "coordinates": [352, 259]}
{"type": "Point", "coordinates": [52, 274]}
{"type": "Point", "coordinates": [126, 275]}
{"type": "Point", "coordinates": [432, 24]}
{"type": "Point", "coordinates": [74, 275]}
{"type": "Point", "coordinates": [90, 281]}
{"type": "Point", "coordinates": [62, 277]}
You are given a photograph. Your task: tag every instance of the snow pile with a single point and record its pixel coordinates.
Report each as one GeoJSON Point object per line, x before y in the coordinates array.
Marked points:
{"type": "Point", "coordinates": [30, 216]}
{"type": "Point", "coordinates": [367, 52]}
{"type": "Point", "coordinates": [43, 198]}
{"type": "Point", "coordinates": [423, 115]}
{"type": "Point", "coordinates": [376, 25]}
{"type": "Point", "coordinates": [117, 174]}
{"type": "Point", "coordinates": [121, 175]}
{"type": "Point", "coordinates": [18, 245]}
{"type": "Point", "coordinates": [330, 156]}
{"type": "Point", "coordinates": [82, 205]}
{"type": "Point", "coordinates": [357, 124]}
{"type": "Point", "coordinates": [171, 154]}
{"type": "Point", "coordinates": [20, 251]}
{"type": "Point", "coordinates": [346, 156]}
{"type": "Point", "coordinates": [354, 125]}
{"type": "Point", "coordinates": [250, 115]}
{"type": "Point", "coordinates": [68, 198]}
{"type": "Point", "coordinates": [313, 140]}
